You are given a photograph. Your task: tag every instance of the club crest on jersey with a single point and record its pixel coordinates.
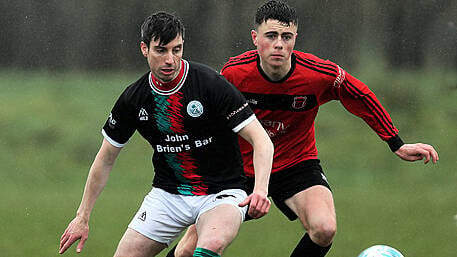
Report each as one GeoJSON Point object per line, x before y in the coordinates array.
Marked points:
{"type": "Point", "coordinates": [299, 102]}
{"type": "Point", "coordinates": [195, 109]}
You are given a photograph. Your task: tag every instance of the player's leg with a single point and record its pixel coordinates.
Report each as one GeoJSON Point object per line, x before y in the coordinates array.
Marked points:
{"type": "Point", "coordinates": [187, 244]}
{"type": "Point", "coordinates": [134, 244]}
{"type": "Point", "coordinates": [216, 229]}
{"type": "Point", "coordinates": [315, 209]}
{"type": "Point", "coordinates": [160, 219]}
{"type": "Point", "coordinates": [302, 191]}
{"type": "Point", "coordinates": [219, 221]}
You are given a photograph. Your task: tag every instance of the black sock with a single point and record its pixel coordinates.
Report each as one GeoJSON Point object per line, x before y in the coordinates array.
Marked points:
{"type": "Point", "coordinates": [171, 253]}
{"type": "Point", "coordinates": [307, 248]}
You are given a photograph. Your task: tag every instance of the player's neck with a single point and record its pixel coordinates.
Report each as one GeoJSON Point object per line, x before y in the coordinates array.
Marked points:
{"type": "Point", "coordinates": [166, 85]}
{"type": "Point", "coordinates": [276, 73]}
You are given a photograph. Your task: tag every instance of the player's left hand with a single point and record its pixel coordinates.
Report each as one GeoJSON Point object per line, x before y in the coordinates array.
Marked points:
{"type": "Point", "coordinates": [419, 151]}
{"type": "Point", "coordinates": [259, 205]}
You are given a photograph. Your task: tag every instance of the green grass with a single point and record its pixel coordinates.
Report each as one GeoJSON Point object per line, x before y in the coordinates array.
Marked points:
{"type": "Point", "coordinates": [50, 132]}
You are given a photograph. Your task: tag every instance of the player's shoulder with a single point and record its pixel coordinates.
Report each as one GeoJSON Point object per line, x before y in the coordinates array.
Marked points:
{"type": "Point", "coordinates": [312, 59]}
{"type": "Point", "coordinates": [314, 63]}
{"type": "Point", "coordinates": [251, 54]}
{"type": "Point", "coordinates": [206, 77]}
{"type": "Point", "coordinates": [245, 60]}
{"type": "Point", "coordinates": [137, 89]}
{"type": "Point", "coordinates": [201, 69]}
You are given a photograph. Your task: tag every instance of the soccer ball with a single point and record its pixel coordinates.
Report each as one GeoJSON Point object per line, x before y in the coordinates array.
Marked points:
{"type": "Point", "coordinates": [380, 251]}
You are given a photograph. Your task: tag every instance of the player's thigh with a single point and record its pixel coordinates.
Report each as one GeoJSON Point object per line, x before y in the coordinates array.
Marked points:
{"type": "Point", "coordinates": [314, 206]}
{"type": "Point", "coordinates": [218, 227]}
{"type": "Point", "coordinates": [134, 244]}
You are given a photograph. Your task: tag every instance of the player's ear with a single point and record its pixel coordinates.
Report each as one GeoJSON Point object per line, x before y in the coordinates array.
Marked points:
{"type": "Point", "coordinates": [254, 37]}
{"type": "Point", "coordinates": [144, 49]}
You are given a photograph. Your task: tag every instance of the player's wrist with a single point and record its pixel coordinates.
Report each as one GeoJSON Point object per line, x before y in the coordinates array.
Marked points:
{"type": "Point", "coordinates": [82, 217]}
{"type": "Point", "coordinates": [260, 191]}
{"type": "Point", "coordinates": [395, 143]}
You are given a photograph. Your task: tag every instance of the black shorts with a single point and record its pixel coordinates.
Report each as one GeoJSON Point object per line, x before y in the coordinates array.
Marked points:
{"type": "Point", "coordinates": [286, 183]}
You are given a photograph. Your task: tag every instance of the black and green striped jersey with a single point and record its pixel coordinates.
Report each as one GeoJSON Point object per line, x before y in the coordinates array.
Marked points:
{"type": "Point", "coordinates": [192, 128]}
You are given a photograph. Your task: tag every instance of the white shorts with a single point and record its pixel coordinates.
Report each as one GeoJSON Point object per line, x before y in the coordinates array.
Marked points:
{"type": "Point", "coordinates": [163, 216]}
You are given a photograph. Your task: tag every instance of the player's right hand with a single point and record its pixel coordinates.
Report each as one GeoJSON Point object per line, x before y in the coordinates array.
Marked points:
{"type": "Point", "coordinates": [77, 229]}
{"type": "Point", "coordinates": [259, 205]}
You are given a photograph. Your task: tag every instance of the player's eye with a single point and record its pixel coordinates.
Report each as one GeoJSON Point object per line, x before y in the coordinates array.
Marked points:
{"type": "Point", "coordinates": [271, 36]}
{"type": "Point", "coordinates": [160, 50]}
{"type": "Point", "coordinates": [177, 50]}
{"type": "Point", "coordinates": [287, 37]}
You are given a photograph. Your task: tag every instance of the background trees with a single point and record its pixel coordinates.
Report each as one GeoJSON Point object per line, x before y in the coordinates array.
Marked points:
{"type": "Point", "coordinates": [103, 35]}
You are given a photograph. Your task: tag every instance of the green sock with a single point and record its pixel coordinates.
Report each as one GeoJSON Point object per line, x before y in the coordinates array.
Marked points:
{"type": "Point", "coordinates": [202, 252]}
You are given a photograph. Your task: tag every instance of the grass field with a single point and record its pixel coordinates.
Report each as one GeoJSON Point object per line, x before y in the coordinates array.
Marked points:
{"type": "Point", "coordinates": [50, 132]}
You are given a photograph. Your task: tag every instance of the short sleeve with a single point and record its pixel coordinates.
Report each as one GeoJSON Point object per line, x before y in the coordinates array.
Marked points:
{"type": "Point", "coordinates": [230, 103]}
{"type": "Point", "coordinates": [121, 123]}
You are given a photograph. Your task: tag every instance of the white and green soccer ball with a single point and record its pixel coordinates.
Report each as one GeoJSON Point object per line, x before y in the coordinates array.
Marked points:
{"type": "Point", "coordinates": [380, 251]}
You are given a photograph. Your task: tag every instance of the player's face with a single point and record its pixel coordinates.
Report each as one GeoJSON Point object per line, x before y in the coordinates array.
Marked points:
{"type": "Point", "coordinates": [164, 60]}
{"type": "Point", "coordinates": [275, 42]}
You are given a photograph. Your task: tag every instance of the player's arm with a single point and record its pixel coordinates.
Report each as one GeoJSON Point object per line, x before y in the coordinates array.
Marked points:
{"type": "Point", "coordinates": [96, 181]}
{"type": "Point", "coordinates": [258, 201]}
{"type": "Point", "coordinates": [361, 101]}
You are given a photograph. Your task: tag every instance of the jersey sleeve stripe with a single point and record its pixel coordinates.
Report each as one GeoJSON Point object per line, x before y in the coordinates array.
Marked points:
{"type": "Point", "coordinates": [377, 105]}
{"type": "Point", "coordinates": [316, 69]}
{"type": "Point", "coordinates": [111, 141]}
{"type": "Point", "coordinates": [325, 66]}
{"type": "Point", "coordinates": [243, 124]}
{"type": "Point", "coordinates": [240, 62]}
{"type": "Point", "coordinates": [242, 57]}
{"type": "Point", "coordinates": [377, 110]}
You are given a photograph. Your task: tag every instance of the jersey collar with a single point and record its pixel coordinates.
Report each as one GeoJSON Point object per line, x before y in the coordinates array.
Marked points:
{"type": "Point", "coordinates": [169, 88]}
{"type": "Point", "coordinates": [292, 68]}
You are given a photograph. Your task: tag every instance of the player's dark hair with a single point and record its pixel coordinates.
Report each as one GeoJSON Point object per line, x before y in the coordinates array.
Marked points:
{"type": "Point", "coordinates": [161, 26]}
{"type": "Point", "coordinates": [276, 10]}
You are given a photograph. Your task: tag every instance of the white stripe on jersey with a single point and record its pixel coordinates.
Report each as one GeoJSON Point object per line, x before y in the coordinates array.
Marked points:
{"type": "Point", "coordinates": [244, 123]}
{"type": "Point", "coordinates": [111, 141]}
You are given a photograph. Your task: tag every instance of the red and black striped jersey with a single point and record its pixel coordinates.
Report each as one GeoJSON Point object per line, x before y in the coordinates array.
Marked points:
{"type": "Point", "coordinates": [287, 108]}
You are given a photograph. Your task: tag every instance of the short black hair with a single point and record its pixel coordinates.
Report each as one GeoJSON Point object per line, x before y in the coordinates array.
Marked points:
{"type": "Point", "coordinates": [161, 26]}
{"type": "Point", "coordinates": [276, 10]}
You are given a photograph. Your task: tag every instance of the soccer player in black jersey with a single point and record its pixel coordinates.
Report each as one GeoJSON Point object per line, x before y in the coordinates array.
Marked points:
{"type": "Point", "coordinates": [192, 117]}
{"type": "Point", "coordinates": [285, 88]}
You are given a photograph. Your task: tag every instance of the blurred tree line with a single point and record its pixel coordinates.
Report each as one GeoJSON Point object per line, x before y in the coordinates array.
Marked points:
{"type": "Point", "coordinates": [104, 35]}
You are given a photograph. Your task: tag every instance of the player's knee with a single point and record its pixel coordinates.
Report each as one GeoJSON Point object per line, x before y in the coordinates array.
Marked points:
{"type": "Point", "coordinates": [214, 244]}
{"type": "Point", "coordinates": [323, 233]}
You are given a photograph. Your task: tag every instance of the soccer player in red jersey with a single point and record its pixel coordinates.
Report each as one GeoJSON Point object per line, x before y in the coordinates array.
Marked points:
{"type": "Point", "coordinates": [285, 88]}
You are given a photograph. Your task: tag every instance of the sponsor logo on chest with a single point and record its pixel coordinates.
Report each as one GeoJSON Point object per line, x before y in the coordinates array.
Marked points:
{"type": "Point", "coordinates": [281, 102]}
